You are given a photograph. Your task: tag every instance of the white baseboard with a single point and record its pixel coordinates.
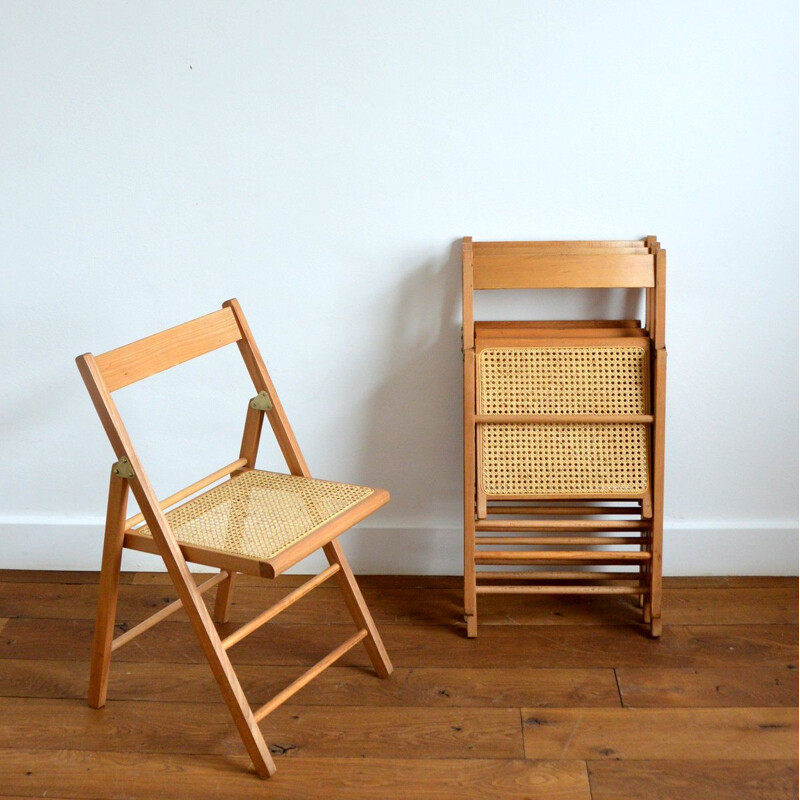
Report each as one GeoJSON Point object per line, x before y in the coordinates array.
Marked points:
{"type": "Point", "coordinates": [689, 549]}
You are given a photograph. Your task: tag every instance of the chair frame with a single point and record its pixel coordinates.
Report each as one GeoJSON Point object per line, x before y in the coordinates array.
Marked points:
{"type": "Point", "coordinates": [639, 264]}
{"type": "Point", "coordinates": [117, 368]}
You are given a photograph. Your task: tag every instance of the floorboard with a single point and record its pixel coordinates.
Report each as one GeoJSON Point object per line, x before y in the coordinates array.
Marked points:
{"type": "Point", "coordinates": [443, 687]}
{"type": "Point", "coordinates": [690, 780]}
{"type": "Point", "coordinates": [129, 776]}
{"type": "Point", "coordinates": [661, 733]}
{"type": "Point", "coordinates": [562, 698]}
{"type": "Point", "coordinates": [711, 687]}
{"type": "Point", "coordinates": [408, 605]}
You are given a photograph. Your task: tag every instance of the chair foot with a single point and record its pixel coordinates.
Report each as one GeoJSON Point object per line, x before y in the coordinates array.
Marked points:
{"type": "Point", "coordinates": [472, 626]}
{"type": "Point", "coordinates": [655, 627]}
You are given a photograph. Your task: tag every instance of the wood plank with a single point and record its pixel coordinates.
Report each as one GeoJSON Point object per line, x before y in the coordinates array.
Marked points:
{"type": "Point", "coordinates": [690, 780]}
{"type": "Point", "coordinates": [740, 605]}
{"type": "Point", "coordinates": [434, 645]}
{"type": "Point", "coordinates": [491, 327]}
{"type": "Point", "coordinates": [525, 271]}
{"type": "Point", "coordinates": [62, 576]}
{"type": "Point", "coordinates": [121, 776]}
{"type": "Point", "coordinates": [558, 244]}
{"type": "Point", "coordinates": [535, 556]}
{"type": "Point", "coordinates": [690, 606]}
{"type": "Point", "coordinates": [657, 733]}
{"type": "Point", "coordinates": [446, 581]}
{"type": "Point", "coordinates": [500, 337]}
{"type": "Point", "coordinates": [299, 731]}
{"type": "Point", "coordinates": [434, 687]}
{"type": "Point", "coordinates": [562, 419]}
{"type": "Point", "coordinates": [138, 360]}
{"type": "Point", "coordinates": [561, 525]}
{"type": "Point", "coordinates": [295, 579]}
{"type": "Point", "coordinates": [713, 687]}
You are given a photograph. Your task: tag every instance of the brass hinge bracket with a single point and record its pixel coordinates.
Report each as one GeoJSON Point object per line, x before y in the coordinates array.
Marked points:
{"type": "Point", "coordinates": [123, 469]}
{"type": "Point", "coordinates": [261, 402]}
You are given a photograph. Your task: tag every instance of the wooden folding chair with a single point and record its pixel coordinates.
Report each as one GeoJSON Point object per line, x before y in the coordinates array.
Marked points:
{"type": "Point", "coordinates": [564, 429]}
{"type": "Point", "coordinates": [257, 523]}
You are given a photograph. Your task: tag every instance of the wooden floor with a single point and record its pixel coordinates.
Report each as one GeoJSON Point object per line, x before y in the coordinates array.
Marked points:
{"type": "Point", "coordinates": [559, 697]}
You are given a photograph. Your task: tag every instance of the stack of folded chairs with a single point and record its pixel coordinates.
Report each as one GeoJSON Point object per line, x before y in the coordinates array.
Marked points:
{"type": "Point", "coordinates": [564, 429]}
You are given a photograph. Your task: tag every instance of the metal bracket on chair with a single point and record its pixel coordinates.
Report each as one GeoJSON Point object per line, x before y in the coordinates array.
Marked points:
{"type": "Point", "coordinates": [261, 402]}
{"type": "Point", "coordinates": [123, 469]}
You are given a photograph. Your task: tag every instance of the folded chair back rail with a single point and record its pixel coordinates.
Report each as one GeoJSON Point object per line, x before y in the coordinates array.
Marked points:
{"type": "Point", "coordinates": [316, 511]}
{"type": "Point", "coordinates": [564, 419]}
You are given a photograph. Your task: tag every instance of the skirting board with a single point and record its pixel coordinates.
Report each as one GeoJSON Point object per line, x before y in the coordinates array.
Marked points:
{"type": "Point", "coordinates": [689, 549]}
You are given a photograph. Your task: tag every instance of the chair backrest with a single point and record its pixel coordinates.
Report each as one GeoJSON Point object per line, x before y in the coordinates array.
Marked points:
{"type": "Point", "coordinates": [125, 365]}
{"type": "Point", "coordinates": [138, 360]}
{"type": "Point", "coordinates": [621, 264]}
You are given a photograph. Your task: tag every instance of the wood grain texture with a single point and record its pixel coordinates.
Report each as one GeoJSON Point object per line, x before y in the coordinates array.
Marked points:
{"type": "Point", "coordinates": [66, 576]}
{"type": "Point", "coordinates": [167, 349]}
{"type": "Point", "coordinates": [709, 708]}
{"type": "Point", "coordinates": [298, 731]}
{"type": "Point", "coordinates": [717, 686]}
{"type": "Point", "coordinates": [657, 733]}
{"type": "Point", "coordinates": [418, 581]}
{"type": "Point", "coordinates": [572, 646]}
{"type": "Point", "coordinates": [443, 687]}
{"type": "Point", "coordinates": [693, 780]}
{"type": "Point", "coordinates": [524, 270]}
{"type": "Point", "coordinates": [82, 774]}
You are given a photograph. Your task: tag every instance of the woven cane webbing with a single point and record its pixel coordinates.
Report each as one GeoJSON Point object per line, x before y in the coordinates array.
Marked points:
{"type": "Point", "coordinates": [562, 380]}
{"type": "Point", "coordinates": [563, 459]}
{"type": "Point", "coordinates": [257, 514]}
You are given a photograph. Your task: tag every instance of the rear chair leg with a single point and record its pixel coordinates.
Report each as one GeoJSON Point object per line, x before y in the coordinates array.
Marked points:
{"type": "Point", "coordinates": [224, 598]}
{"type": "Point", "coordinates": [358, 610]}
{"type": "Point", "coordinates": [109, 591]}
{"type": "Point", "coordinates": [470, 593]}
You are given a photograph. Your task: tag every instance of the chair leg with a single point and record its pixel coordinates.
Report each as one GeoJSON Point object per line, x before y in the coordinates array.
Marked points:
{"type": "Point", "coordinates": [657, 532]}
{"type": "Point", "coordinates": [109, 591]}
{"type": "Point", "coordinates": [470, 593]}
{"type": "Point", "coordinates": [358, 609]}
{"type": "Point", "coordinates": [221, 667]}
{"type": "Point", "coordinates": [224, 598]}
{"type": "Point", "coordinates": [654, 597]}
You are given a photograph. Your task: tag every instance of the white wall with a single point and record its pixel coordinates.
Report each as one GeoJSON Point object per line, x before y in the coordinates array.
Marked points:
{"type": "Point", "coordinates": [319, 160]}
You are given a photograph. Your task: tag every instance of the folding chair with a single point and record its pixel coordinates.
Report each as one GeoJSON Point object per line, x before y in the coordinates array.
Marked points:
{"type": "Point", "coordinates": [564, 429]}
{"type": "Point", "coordinates": [257, 523]}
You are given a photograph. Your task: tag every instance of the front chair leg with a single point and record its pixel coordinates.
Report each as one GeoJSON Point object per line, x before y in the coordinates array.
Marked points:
{"type": "Point", "coordinates": [218, 660]}
{"type": "Point", "coordinates": [109, 591]}
{"type": "Point", "coordinates": [358, 610]}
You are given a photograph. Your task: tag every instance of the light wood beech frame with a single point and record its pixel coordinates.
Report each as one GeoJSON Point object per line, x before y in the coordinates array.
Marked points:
{"type": "Point", "coordinates": [569, 265]}
{"type": "Point", "coordinates": [136, 361]}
